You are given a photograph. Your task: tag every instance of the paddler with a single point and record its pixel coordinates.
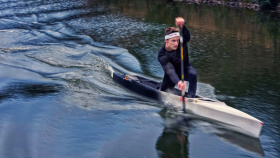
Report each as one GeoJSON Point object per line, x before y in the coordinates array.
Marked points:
{"type": "Point", "coordinates": [169, 57]}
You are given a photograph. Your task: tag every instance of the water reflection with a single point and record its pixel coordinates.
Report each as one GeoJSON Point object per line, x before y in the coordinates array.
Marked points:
{"type": "Point", "coordinates": [242, 141]}
{"type": "Point", "coordinates": [172, 144]}
{"type": "Point", "coordinates": [174, 140]}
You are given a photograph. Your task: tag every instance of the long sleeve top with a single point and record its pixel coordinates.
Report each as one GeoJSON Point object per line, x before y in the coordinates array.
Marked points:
{"type": "Point", "coordinates": [171, 60]}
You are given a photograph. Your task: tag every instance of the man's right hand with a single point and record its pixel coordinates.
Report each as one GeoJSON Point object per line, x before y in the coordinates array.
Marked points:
{"type": "Point", "coordinates": [181, 85]}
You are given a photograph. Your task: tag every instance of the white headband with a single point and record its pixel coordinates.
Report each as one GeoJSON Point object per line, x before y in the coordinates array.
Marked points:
{"type": "Point", "coordinates": [174, 34]}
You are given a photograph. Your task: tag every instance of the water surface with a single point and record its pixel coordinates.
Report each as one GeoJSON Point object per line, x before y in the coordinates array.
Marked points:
{"type": "Point", "coordinates": [57, 97]}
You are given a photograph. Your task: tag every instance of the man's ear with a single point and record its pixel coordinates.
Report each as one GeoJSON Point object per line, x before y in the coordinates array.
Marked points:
{"type": "Point", "coordinates": [166, 40]}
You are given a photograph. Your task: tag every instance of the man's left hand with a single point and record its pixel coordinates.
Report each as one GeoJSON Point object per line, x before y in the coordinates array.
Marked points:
{"type": "Point", "coordinates": [180, 22]}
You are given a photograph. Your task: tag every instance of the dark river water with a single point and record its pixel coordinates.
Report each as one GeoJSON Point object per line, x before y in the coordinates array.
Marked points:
{"type": "Point", "coordinates": [57, 97]}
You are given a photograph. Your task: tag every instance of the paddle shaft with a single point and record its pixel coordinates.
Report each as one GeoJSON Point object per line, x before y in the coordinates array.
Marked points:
{"type": "Point", "coordinates": [182, 67]}
{"type": "Point", "coordinates": [182, 59]}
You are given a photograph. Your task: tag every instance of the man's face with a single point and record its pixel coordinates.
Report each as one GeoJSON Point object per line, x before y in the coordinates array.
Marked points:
{"type": "Point", "coordinates": [172, 43]}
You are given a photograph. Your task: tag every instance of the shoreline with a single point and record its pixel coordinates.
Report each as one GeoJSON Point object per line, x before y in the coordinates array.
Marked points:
{"type": "Point", "coordinates": [236, 4]}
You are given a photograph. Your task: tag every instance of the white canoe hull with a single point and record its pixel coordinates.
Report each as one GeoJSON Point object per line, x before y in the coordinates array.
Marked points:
{"type": "Point", "coordinates": [203, 107]}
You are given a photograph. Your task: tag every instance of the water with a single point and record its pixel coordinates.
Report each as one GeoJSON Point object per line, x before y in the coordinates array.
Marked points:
{"type": "Point", "coordinates": [57, 97]}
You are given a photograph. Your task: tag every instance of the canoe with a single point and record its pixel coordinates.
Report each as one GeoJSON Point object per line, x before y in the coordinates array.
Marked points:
{"type": "Point", "coordinates": [203, 107]}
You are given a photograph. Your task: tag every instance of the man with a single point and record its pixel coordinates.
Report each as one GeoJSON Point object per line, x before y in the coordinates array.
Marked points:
{"type": "Point", "coordinates": [169, 57]}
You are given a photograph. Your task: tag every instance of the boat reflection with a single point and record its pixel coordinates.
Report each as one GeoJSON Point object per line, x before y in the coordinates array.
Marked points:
{"type": "Point", "coordinates": [245, 142]}
{"type": "Point", "coordinates": [174, 142]}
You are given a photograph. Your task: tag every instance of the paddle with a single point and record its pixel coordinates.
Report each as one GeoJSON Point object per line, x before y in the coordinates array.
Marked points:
{"type": "Point", "coordinates": [182, 69]}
